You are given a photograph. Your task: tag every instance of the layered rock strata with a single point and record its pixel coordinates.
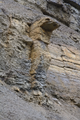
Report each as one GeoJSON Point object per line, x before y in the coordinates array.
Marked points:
{"type": "Point", "coordinates": [64, 70]}
{"type": "Point", "coordinates": [15, 49]}
{"type": "Point", "coordinates": [66, 11]}
{"type": "Point", "coordinates": [27, 53]}
{"type": "Point", "coordinates": [25, 49]}
{"type": "Point", "coordinates": [40, 32]}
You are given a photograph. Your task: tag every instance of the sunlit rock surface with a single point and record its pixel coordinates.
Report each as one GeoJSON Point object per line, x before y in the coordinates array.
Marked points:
{"type": "Point", "coordinates": [41, 66]}
{"type": "Point", "coordinates": [64, 71]}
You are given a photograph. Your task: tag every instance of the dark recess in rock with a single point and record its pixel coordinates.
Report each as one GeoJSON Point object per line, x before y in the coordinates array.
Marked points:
{"type": "Point", "coordinates": [73, 3]}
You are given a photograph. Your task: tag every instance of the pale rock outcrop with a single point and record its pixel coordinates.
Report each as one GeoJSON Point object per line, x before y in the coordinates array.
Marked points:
{"type": "Point", "coordinates": [40, 32]}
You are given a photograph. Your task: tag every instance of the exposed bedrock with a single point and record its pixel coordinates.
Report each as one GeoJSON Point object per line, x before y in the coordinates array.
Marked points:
{"type": "Point", "coordinates": [39, 60]}
{"type": "Point", "coordinates": [64, 70]}
{"type": "Point", "coordinates": [40, 32]}
{"type": "Point", "coordinates": [23, 47]}
{"type": "Point", "coordinates": [15, 45]}
{"type": "Point", "coordinates": [24, 51]}
{"type": "Point", "coordinates": [66, 11]}
{"type": "Point", "coordinates": [74, 3]}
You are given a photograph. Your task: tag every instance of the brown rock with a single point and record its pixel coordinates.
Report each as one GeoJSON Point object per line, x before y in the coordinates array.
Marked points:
{"type": "Point", "coordinates": [42, 29]}
{"type": "Point", "coordinates": [37, 93]}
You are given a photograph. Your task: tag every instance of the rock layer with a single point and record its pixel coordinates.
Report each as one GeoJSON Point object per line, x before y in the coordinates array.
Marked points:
{"type": "Point", "coordinates": [40, 32]}
{"type": "Point", "coordinates": [64, 71]}
{"type": "Point", "coordinates": [27, 52]}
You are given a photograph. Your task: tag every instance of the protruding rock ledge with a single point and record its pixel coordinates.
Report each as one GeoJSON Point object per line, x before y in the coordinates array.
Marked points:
{"type": "Point", "coordinates": [74, 3]}
{"type": "Point", "coordinates": [42, 29]}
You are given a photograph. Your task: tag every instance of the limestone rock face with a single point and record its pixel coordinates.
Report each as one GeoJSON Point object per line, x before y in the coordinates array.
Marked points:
{"type": "Point", "coordinates": [15, 44]}
{"type": "Point", "coordinates": [40, 58]}
{"type": "Point", "coordinates": [66, 11]}
{"type": "Point", "coordinates": [40, 32]}
{"type": "Point", "coordinates": [15, 49]}
{"type": "Point", "coordinates": [42, 29]}
{"type": "Point", "coordinates": [64, 71]}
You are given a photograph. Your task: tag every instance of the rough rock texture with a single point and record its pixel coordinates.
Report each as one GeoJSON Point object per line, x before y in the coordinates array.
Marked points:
{"type": "Point", "coordinates": [40, 65]}
{"type": "Point", "coordinates": [64, 71]}
{"type": "Point", "coordinates": [65, 11]}
{"type": "Point", "coordinates": [15, 45]}
{"type": "Point", "coordinates": [13, 107]}
{"type": "Point", "coordinates": [40, 33]}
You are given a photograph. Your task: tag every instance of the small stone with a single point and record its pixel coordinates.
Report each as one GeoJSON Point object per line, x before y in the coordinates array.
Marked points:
{"type": "Point", "coordinates": [57, 101]}
{"type": "Point", "coordinates": [26, 92]}
{"type": "Point", "coordinates": [35, 84]}
{"type": "Point", "coordinates": [28, 98]}
{"type": "Point", "coordinates": [15, 88]}
{"type": "Point", "coordinates": [50, 102]}
{"type": "Point", "coordinates": [27, 40]}
{"type": "Point", "coordinates": [1, 82]}
{"type": "Point", "coordinates": [27, 85]}
{"type": "Point", "coordinates": [34, 93]}
{"type": "Point", "coordinates": [43, 76]}
{"type": "Point", "coordinates": [46, 95]}
{"type": "Point", "coordinates": [37, 93]}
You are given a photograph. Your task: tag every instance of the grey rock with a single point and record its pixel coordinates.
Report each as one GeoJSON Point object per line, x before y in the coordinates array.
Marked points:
{"type": "Point", "coordinates": [61, 81]}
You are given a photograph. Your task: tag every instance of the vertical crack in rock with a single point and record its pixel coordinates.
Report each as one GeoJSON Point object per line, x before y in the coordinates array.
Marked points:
{"type": "Point", "coordinates": [40, 32]}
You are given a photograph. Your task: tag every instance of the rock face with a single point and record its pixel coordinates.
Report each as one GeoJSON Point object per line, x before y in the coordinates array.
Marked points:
{"type": "Point", "coordinates": [19, 111]}
{"type": "Point", "coordinates": [14, 108]}
{"type": "Point", "coordinates": [40, 54]}
{"type": "Point", "coordinates": [66, 11]}
{"type": "Point", "coordinates": [64, 71]}
{"type": "Point", "coordinates": [25, 56]}
{"type": "Point", "coordinates": [15, 49]}
{"type": "Point", "coordinates": [40, 32]}
{"type": "Point", "coordinates": [74, 3]}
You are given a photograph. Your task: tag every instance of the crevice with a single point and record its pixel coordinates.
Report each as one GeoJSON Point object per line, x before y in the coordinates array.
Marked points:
{"type": "Point", "coordinates": [65, 60]}
{"type": "Point", "coordinates": [48, 14]}
{"type": "Point", "coordinates": [73, 3]}
{"type": "Point", "coordinates": [54, 3]}
{"type": "Point", "coordinates": [71, 51]}
{"type": "Point", "coordinates": [66, 67]}
{"type": "Point", "coordinates": [29, 24]}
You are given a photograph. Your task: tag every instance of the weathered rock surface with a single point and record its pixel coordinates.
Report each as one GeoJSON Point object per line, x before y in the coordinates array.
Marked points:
{"type": "Point", "coordinates": [64, 71]}
{"type": "Point", "coordinates": [74, 3]}
{"type": "Point", "coordinates": [15, 45]}
{"type": "Point", "coordinates": [41, 69]}
{"type": "Point", "coordinates": [40, 32]}
{"type": "Point", "coordinates": [66, 11]}
{"type": "Point", "coordinates": [13, 107]}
